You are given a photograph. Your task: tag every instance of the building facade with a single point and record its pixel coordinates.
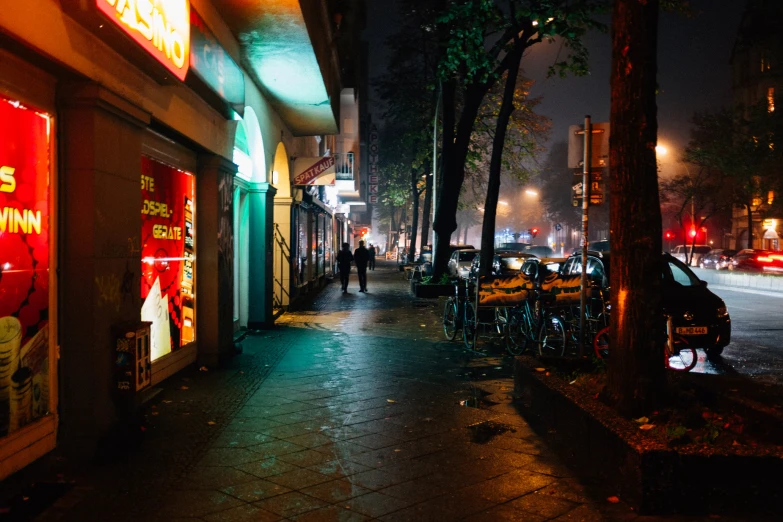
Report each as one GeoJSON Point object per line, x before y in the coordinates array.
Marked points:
{"type": "Point", "coordinates": [144, 153]}
{"type": "Point", "coordinates": [757, 72]}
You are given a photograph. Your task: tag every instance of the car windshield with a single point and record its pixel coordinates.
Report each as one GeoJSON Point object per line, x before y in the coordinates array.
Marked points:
{"type": "Point", "coordinates": [467, 256]}
{"type": "Point", "coordinates": [676, 271]}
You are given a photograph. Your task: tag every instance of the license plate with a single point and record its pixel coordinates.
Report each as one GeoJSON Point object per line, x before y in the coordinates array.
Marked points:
{"type": "Point", "coordinates": [691, 330]}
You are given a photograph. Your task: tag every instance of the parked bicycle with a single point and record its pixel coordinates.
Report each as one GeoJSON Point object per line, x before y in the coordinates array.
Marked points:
{"type": "Point", "coordinates": [533, 325]}
{"type": "Point", "coordinates": [679, 356]}
{"type": "Point", "coordinates": [454, 310]}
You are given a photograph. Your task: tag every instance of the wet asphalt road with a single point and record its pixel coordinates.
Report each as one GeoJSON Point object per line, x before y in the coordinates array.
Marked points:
{"type": "Point", "coordinates": [756, 348]}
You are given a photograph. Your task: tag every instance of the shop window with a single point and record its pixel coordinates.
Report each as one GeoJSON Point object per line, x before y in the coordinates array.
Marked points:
{"type": "Point", "coordinates": [168, 255]}
{"type": "Point", "coordinates": [770, 197]}
{"type": "Point", "coordinates": [25, 377]}
{"type": "Point", "coordinates": [771, 99]}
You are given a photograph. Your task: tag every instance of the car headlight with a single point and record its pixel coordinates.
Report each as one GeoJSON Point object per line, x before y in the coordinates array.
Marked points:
{"type": "Point", "coordinates": [723, 311]}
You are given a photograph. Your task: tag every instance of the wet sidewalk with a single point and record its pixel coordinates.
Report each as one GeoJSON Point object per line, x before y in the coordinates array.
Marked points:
{"type": "Point", "coordinates": [352, 409]}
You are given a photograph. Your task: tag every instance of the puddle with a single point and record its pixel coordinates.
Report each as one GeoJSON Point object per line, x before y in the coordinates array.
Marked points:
{"type": "Point", "coordinates": [484, 432]}
{"type": "Point", "coordinates": [478, 400]}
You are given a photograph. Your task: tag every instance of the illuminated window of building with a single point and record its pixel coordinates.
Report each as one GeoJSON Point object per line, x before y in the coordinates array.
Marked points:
{"type": "Point", "coordinates": [771, 99]}
{"type": "Point", "coordinates": [756, 202]}
{"type": "Point", "coordinates": [770, 197]}
{"type": "Point", "coordinates": [766, 64]}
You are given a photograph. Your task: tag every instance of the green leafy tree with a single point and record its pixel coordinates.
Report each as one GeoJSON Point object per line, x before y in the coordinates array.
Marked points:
{"type": "Point", "coordinates": [696, 197]}
{"type": "Point", "coordinates": [740, 144]}
{"type": "Point", "coordinates": [480, 41]}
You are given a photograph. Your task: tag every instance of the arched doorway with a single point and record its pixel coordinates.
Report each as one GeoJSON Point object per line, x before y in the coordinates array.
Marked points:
{"type": "Point", "coordinates": [284, 264]}
{"type": "Point", "coordinates": [249, 158]}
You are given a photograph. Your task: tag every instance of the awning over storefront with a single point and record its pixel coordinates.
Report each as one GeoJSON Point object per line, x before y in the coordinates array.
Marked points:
{"type": "Point", "coordinates": [314, 171]}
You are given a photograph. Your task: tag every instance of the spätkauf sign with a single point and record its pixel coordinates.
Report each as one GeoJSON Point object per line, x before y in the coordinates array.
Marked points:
{"type": "Point", "coordinates": [310, 169]}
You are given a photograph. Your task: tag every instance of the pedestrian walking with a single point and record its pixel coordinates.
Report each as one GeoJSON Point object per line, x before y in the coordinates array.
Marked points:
{"type": "Point", "coordinates": [344, 258]}
{"type": "Point", "coordinates": [361, 257]}
{"type": "Point", "coordinates": [372, 257]}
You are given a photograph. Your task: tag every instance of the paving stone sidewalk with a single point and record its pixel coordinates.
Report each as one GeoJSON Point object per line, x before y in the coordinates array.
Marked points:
{"type": "Point", "coordinates": [354, 408]}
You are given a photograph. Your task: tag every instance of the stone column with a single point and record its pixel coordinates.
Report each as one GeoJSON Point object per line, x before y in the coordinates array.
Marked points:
{"type": "Point", "coordinates": [261, 255]}
{"type": "Point", "coordinates": [214, 258]}
{"type": "Point", "coordinates": [100, 254]}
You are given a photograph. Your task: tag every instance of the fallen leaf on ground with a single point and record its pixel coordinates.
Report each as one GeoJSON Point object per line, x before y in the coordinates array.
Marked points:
{"type": "Point", "coordinates": [211, 423]}
{"type": "Point", "coordinates": [155, 412]}
{"type": "Point", "coordinates": [167, 402]}
{"type": "Point", "coordinates": [646, 427]}
{"type": "Point", "coordinates": [540, 369]}
{"type": "Point", "coordinates": [203, 369]}
{"type": "Point", "coordinates": [613, 500]}
{"type": "Point", "coordinates": [390, 401]}
{"type": "Point", "coordinates": [642, 420]}
{"type": "Point", "coordinates": [183, 387]}
{"type": "Point", "coordinates": [547, 374]}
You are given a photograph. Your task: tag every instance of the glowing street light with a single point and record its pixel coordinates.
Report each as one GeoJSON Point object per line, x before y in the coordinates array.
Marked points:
{"type": "Point", "coordinates": [531, 192]}
{"type": "Point", "coordinates": [660, 150]}
{"type": "Point", "coordinates": [503, 202]}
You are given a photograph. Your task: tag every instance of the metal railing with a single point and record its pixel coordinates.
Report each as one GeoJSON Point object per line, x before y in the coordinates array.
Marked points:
{"type": "Point", "coordinates": [343, 165]}
{"type": "Point", "coordinates": [283, 253]}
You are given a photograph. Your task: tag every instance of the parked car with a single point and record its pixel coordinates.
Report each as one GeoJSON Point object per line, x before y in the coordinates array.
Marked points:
{"type": "Point", "coordinates": [682, 252]}
{"type": "Point", "coordinates": [539, 251]}
{"type": "Point", "coordinates": [503, 263]}
{"type": "Point", "coordinates": [459, 263]}
{"type": "Point", "coordinates": [511, 247]}
{"type": "Point", "coordinates": [753, 260]}
{"type": "Point", "coordinates": [697, 314]}
{"type": "Point", "coordinates": [538, 268]}
{"type": "Point", "coordinates": [509, 263]}
{"type": "Point", "coordinates": [717, 259]}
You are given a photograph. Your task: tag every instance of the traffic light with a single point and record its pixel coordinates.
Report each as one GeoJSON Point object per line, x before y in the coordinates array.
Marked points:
{"type": "Point", "coordinates": [533, 232]}
{"type": "Point", "coordinates": [692, 232]}
{"type": "Point", "coordinates": [669, 235]}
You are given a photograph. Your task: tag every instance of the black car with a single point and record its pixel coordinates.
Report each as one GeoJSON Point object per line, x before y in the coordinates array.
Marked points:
{"type": "Point", "coordinates": [761, 261]}
{"type": "Point", "coordinates": [697, 314]}
{"type": "Point", "coordinates": [717, 259]}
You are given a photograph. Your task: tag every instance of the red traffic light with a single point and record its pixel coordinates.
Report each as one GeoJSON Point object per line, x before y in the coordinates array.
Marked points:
{"type": "Point", "coordinates": [533, 232]}
{"type": "Point", "coordinates": [669, 235]}
{"type": "Point", "coordinates": [692, 232]}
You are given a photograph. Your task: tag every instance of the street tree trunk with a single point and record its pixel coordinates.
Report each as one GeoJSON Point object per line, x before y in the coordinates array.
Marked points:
{"type": "Point", "coordinates": [636, 379]}
{"type": "Point", "coordinates": [415, 221]}
{"type": "Point", "coordinates": [750, 225]}
{"type": "Point", "coordinates": [426, 213]}
{"type": "Point", "coordinates": [495, 164]}
{"type": "Point", "coordinates": [455, 152]}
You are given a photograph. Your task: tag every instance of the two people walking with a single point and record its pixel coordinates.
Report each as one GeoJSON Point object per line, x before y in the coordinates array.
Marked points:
{"type": "Point", "coordinates": [361, 257]}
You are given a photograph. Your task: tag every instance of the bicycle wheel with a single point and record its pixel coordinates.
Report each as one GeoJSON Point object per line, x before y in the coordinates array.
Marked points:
{"type": "Point", "coordinates": [552, 336]}
{"type": "Point", "coordinates": [450, 319]}
{"type": "Point", "coordinates": [682, 357]}
{"type": "Point", "coordinates": [601, 343]}
{"type": "Point", "coordinates": [469, 326]}
{"type": "Point", "coordinates": [516, 338]}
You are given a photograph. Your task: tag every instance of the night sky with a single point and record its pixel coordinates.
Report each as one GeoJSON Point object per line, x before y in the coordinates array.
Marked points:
{"type": "Point", "coordinates": [693, 69]}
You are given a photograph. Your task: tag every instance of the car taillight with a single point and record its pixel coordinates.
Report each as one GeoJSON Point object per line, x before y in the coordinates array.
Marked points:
{"type": "Point", "coordinates": [764, 259]}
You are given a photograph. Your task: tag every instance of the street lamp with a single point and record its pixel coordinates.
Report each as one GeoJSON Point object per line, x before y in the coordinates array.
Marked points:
{"type": "Point", "coordinates": [531, 192]}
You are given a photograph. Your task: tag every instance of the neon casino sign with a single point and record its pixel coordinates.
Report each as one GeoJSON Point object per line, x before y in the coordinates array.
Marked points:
{"type": "Point", "coordinates": [161, 27]}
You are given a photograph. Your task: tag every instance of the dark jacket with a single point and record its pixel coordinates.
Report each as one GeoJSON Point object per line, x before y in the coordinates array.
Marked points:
{"type": "Point", "coordinates": [361, 257]}
{"type": "Point", "coordinates": [372, 252]}
{"type": "Point", "coordinates": [344, 258]}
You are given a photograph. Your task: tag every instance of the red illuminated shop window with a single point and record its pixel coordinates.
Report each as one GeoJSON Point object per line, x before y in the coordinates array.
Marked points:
{"type": "Point", "coordinates": [24, 265]}
{"type": "Point", "coordinates": [167, 255]}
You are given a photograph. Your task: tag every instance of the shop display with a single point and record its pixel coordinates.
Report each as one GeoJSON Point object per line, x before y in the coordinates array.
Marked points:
{"type": "Point", "coordinates": [168, 256]}
{"type": "Point", "coordinates": [24, 265]}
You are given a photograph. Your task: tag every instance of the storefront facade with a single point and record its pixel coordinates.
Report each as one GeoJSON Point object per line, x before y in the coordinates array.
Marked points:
{"type": "Point", "coordinates": [124, 208]}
